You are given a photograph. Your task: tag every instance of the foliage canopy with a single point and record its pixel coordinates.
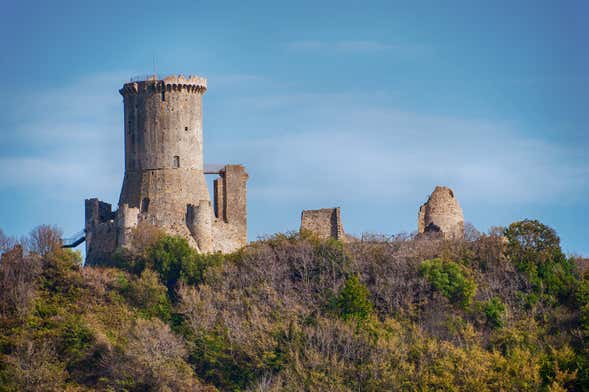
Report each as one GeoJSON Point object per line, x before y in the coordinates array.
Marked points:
{"type": "Point", "coordinates": [292, 312]}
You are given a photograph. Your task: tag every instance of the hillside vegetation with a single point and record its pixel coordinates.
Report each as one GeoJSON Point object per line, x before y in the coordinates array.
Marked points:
{"type": "Point", "coordinates": [500, 311]}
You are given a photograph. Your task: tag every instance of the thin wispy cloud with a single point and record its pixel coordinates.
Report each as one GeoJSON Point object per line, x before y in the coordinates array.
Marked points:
{"type": "Point", "coordinates": [336, 149]}
{"type": "Point", "coordinates": [360, 46]}
{"type": "Point", "coordinates": [69, 143]}
{"type": "Point", "coordinates": [341, 46]}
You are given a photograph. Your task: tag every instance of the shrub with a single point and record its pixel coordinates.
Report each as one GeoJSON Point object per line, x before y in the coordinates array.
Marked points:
{"type": "Point", "coordinates": [33, 367]}
{"type": "Point", "coordinates": [582, 302]}
{"type": "Point", "coordinates": [174, 259]}
{"type": "Point", "coordinates": [495, 312]}
{"type": "Point", "coordinates": [147, 294]}
{"type": "Point", "coordinates": [153, 359]}
{"type": "Point", "coordinates": [353, 301]}
{"type": "Point", "coordinates": [18, 274]}
{"type": "Point", "coordinates": [450, 279]}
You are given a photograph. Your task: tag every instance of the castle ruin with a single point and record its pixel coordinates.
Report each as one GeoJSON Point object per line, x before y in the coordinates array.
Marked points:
{"type": "Point", "coordinates": [164, 183]}
{"type": "Point", "coordinates": [324, 223]}
{"type": "Point", "coordinates": [441, 214]}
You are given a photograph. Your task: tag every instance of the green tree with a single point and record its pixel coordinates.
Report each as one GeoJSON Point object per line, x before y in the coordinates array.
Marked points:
{"type": "Point", "coordinates": [174, 259]}
{"type": "Point", "coordinates": [148, 294]}
{"type": "Point", "coordinates": [534, 248]}
{"type": "Point", "coordinates": [353, 301]}
{"type": "Point", "coordinates": [450, 279]}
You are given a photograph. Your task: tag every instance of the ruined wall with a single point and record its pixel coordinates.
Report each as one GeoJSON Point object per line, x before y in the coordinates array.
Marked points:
{"type": "Point", "coordinates": [441, 213]}
{"type": "Point", "coordinates": [200, 222]}
{"type": "Point", "coordinates": [230, 209]}
{"type": "Point", "coordinates": [325, 223]}
{"type": "Point", "coordinates": [101, 231]}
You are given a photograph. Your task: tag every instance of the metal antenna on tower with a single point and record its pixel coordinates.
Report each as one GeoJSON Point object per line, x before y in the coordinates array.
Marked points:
{"type": "Point", "coordinates": [154, 71]}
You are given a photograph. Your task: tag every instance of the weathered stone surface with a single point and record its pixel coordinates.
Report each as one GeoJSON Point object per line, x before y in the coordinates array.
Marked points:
{"type": "Point", "coordinates": [324, 223]}
{"type": "Point", "coordinates": [441, 213]}
{"type": "Point", "coordinates": [164, 183]}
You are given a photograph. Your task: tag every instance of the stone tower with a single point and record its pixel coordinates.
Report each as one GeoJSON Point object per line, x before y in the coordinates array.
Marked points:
{"type": "Point", "coordinates": [164, 183]}
{"type": "Point", "coordinates": [164, 170]}
{"type": "Point", "coordinates": [441, 213]}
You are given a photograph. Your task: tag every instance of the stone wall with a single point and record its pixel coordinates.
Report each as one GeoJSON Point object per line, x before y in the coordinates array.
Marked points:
{"type": "Point", "coordinates": [101, 231]}
{"type": "Point", "coordinates": [230, 209]}
{"type": "Point", "coordinates": [441, 213]}
{"type": "Point", "coordinates": [324, 223]}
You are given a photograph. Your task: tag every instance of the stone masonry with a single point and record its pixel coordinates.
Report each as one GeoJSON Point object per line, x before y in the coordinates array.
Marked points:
{"type": "Point", "coordinates": [441, 213]}
{"type": "Point", "coordinates": [325, 223]}
{"type": "Point", "coordinates": [164, 183]}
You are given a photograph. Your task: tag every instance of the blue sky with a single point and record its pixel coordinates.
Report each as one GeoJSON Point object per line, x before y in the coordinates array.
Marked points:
{"type": "Point", "coordinates": [363, 105]}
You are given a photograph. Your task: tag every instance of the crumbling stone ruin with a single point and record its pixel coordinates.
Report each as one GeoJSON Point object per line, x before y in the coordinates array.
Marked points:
{"type": "Point", "coordinates": [324, 223]}
{"type": "Point", "coordinates": [441, 213]}
{"type": "Point", "coordinates": [164, 183]}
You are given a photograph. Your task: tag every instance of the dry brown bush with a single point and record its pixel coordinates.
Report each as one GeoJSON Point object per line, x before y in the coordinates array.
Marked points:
{"type": "Point", "coordinates": [17, 282]}
{"type": "Point", "coordinates": [6, 242]}
{"type": "Point", "coordinates": [35, 368]}
{"type": "Point", "coordinates": [153, 358]}
{"type": "Point", "coordinates": [44, 239]}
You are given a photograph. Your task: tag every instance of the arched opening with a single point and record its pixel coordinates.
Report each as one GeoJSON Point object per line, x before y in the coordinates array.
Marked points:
{"type": "Point", "coordinates": [176, 161]}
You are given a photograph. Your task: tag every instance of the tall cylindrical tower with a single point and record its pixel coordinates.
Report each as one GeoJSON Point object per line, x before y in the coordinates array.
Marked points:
{"type": "Point", "coordinates": [164, 150]}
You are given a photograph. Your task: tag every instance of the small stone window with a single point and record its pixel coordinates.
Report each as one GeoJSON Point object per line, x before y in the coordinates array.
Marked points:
{"type": "Point", "coordinates": [176, 161]}
{"type": "Point", "coordinates": [164, 95]}
{"type": "Point", "coordinates": [145, 204]}
{"type": "Point", "coordinates": [186, 128]}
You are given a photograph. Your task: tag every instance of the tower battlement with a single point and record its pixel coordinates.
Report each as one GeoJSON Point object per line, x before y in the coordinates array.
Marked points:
{"type": "Point", "coordinates": [191, 83]}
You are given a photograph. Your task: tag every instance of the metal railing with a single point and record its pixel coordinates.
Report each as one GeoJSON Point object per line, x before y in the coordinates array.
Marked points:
{"type": "Point", "coordinates": [74, 240]}
{"type": "Point", "coordinates": [214, 168]}
{"type": "Point", "coordinates": [140, 78]}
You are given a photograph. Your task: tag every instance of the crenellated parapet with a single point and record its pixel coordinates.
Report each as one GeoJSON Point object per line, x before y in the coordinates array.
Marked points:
{"type": "Point", "coordinates": [179, 83]}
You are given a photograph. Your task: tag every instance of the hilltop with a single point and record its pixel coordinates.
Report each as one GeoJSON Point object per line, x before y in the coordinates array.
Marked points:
{"type": "Point", "coordinates": [506, 310]}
